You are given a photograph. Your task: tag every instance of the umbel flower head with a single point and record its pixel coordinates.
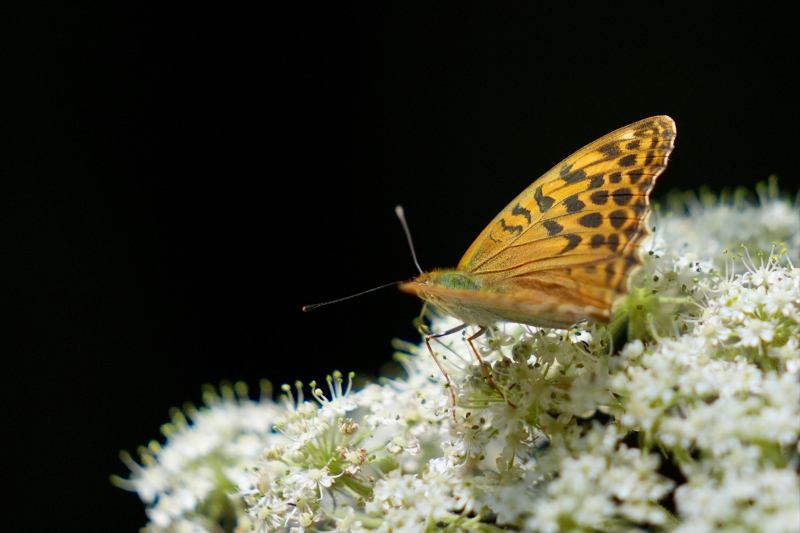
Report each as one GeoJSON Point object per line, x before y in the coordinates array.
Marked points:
{"type": "Point", "coordinates": [687, 421]}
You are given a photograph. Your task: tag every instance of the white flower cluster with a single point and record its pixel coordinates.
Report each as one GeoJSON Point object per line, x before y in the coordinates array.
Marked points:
{"type": "Point", "coordinates": [692, 425]}
{"type": "Point", "coordinates": [703, 225]}
{"type": "Point", "coordinates": [724, 402]}
{"type": "Point", "coordinates": [186, 483]}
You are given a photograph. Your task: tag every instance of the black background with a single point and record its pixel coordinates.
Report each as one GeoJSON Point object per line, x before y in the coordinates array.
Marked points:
{"type": "Point", "coordinates": [178, 182]}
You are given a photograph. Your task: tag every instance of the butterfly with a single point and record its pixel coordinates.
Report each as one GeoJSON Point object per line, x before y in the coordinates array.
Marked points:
{"type": "Point", "coordinates": [566, 249]}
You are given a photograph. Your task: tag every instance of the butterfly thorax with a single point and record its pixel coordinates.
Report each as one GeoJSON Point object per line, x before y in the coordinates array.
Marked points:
{"type": "Point", "coordinates": [450, 279]}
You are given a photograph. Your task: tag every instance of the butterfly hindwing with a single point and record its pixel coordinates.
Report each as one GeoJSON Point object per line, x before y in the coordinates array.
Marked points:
{"type": "Point", "coordinates": [552, 308]}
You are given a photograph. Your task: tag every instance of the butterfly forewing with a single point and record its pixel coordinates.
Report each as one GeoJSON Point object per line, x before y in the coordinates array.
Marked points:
{"type": "Point", "coordinates": [606, 182]}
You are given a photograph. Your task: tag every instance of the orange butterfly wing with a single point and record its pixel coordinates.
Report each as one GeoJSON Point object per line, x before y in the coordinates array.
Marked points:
{"type": "Point", "coordinates": [567, 247]}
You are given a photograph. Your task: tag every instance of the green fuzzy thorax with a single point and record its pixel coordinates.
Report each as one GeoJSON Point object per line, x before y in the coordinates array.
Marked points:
{"type": "Point", "coordinates": [454, 279]}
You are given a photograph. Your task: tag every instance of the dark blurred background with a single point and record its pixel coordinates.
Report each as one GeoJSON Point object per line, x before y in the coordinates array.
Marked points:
{"type": "Point", "coordinates": [178, 182]}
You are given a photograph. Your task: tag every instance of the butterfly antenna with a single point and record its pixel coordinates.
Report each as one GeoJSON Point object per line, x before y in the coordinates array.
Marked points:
{"type": "Point", "coordinates": [311, 307]}
{"type": "Point", "coordinates": [402, 216]}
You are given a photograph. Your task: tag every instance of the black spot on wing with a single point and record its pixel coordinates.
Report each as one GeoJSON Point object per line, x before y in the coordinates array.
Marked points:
{"type": "Point", "coordinates": [645, 184]}
{"type": "Point", "coordinates": [575, 177]}
{"type": "Point", "coordinates": [636, 175]}
{"type": "Point", "coordinates": [621, 196]}
{"type": "Point", "coordinates": [610, 272]}
{"type": "Point", "coordinates": [599, 197]}
{"type": "Point", "coordinates": [633, 145]}
{"type": "Point", "coordinates": [552, 227]}
{"type": "Point", "coordinates": [618, 218]}
{"type": "Point", "coordinates": [615, 177]}
{"type": "Point", "coordinates": [564, 171]}
{"type": "Point", "coordinates": [610, 150]}
{"type": "Point", "coordinates": [519, 210]}
{"type": "Point", "coordinates": [595, 182]}
{"type": "Point", "coordinates": [631, 260]}
{"type": "Point", "coordinates": [631, 230]}
{"type": "Point", "coordinates": [613, 242]}
{"type": "Point", "coordinates": [627, 161]}
{"type": "Point", "coordinates": [639, 207]}
{"type": "Point", "coordinates": [544, 202]}
{"type": "Point", "coordinates": [573, 243]}
{"type": "Point", "coordinates": [511, 229]}
{"type": "Point", "coordinates": [597, 241]}
{"type": "Point", "coordinates": [653, 142]}
{"type": "Point", "coordinates": [592, 220]}
{"type": "Point", "coordinates": [574, 205]}
{"type": "Point", "coordinates": [649, 159]}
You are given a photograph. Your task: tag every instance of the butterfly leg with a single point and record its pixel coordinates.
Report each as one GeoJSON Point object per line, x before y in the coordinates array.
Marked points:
{"type": "Point", "coordinates": [486, 368]}
{"type": "Point", "coordinates": [419, 322]}
{"type": "Point", "coordinates": [436, 359]}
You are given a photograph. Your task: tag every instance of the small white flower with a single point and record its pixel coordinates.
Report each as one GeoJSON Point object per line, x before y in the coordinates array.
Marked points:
{"type": "Point", "coordinates": [347, 426]}
{"type": "Point", "coordinates": [399, 445]}
{"type": "Point", "coordinates": [494, 341]}
{"type": "Point", "coordinates": [633, 349]}
{"type": "Point", "coordinates": [340, 401]}
{"type": "Point", "coordinates": [348, 523]}
{"type": "Point", "coordinates": [578, 335]}
{"type": "Point", "coordinates": [714, 329]}
{"type": "Point", "coordinates": [754, 331]}
{"type": "Point", "coordinates": [273, 512]}
{"type": "Point", "coordinates": [355, 456]}
{"type": "Point", "coordinates": [302, 499]}
{"type": "Point", "coordinates": [316, 478]}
